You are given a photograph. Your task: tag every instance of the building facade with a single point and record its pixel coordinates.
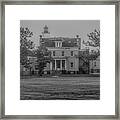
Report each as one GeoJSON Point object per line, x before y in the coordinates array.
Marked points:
{"type": "Point", "coordinates": [64, 52]}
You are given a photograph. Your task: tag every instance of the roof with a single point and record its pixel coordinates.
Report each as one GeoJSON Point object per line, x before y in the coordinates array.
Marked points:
{"type": "Point", "coordinates": [66, 42]}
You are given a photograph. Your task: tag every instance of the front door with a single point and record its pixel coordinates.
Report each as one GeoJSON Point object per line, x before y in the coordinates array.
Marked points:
{"type": "Point", "coordinates": [57, 64]}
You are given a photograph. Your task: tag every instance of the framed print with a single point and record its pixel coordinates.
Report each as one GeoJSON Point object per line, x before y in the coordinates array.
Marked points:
{"type": "Point", "coordinates": [59, 59]}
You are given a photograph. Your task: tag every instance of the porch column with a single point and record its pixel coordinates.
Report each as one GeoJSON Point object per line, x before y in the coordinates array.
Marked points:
{"type": "Point", "coordinates": [60, 64]}
{"type": "Point", "coordinates": [65, 64]}
{"type": "Point", "coordinates": [55, 64]}
{"type": "Point", "coordinates": [50, 65]}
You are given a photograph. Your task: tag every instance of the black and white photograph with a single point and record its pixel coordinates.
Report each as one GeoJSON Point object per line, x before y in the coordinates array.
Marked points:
{"type": "Point", "coordinates": [59, 59]}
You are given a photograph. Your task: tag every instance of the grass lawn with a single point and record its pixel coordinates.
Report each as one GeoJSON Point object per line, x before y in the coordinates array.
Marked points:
{"type": "Point", "coordinates": [60, 88]}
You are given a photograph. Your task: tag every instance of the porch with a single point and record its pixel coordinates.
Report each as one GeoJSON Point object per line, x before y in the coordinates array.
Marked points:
{"type": "Point", "coordinates": [58, 65]}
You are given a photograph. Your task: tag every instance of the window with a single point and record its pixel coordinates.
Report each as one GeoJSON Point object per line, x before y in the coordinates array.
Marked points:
{"type": "Point", "coordinates": [63, 64]}
{"type": "Point", "coordinates": [58, 44]}
{"type": "Point", "coordinates": [95, 64]}
{"type": "Point", "coordinates": [36, 67]}
{"type": "Point", "coordinates": [71, 64]}
{"type": "Point", "coordinates": [62, 53]}
{"type": "Point", "coordinates": [53, 53]}
{"type": "Point", "coordinates": [71, 53]}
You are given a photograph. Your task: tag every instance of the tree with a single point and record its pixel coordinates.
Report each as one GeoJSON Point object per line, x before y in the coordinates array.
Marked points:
{"type": "Point", "coordinates": [84, 61]}
{"type": "Point", "coordinates": [94, 39]}
{"type": "Point", "coordinates": [43, 57]}
{"type": "Point", "coordinates": [25, 45]}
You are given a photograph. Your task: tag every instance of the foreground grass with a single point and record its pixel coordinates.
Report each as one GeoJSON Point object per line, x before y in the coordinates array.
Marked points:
{"type": "Point", "coordinates": [61, 88]}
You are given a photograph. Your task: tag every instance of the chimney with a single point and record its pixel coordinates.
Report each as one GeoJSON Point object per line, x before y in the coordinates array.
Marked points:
{"type": "Point", "coordinates": [78, 41]}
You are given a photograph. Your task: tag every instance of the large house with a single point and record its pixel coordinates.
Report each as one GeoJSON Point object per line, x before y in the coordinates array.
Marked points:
{"type": "Point", "coordinates": [64, 52]}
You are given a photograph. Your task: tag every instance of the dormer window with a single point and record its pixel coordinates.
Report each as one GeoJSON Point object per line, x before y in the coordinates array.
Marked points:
{"type": "Point", "coordinates": [58, 44]}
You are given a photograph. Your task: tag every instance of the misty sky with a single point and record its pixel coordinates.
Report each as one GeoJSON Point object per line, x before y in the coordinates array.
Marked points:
{"type": "Point", "coordinates": [61, 28]}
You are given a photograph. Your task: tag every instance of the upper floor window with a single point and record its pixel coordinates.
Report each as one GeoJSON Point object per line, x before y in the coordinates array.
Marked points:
{"type": "Point", "coordinates": [58, 44]}
{"type": "Point", "coordinates": [71, 53]}
{"type": "Point", "coordinates": [62, 53]}
{"type": "Point", "coordinates": [53, 53]}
